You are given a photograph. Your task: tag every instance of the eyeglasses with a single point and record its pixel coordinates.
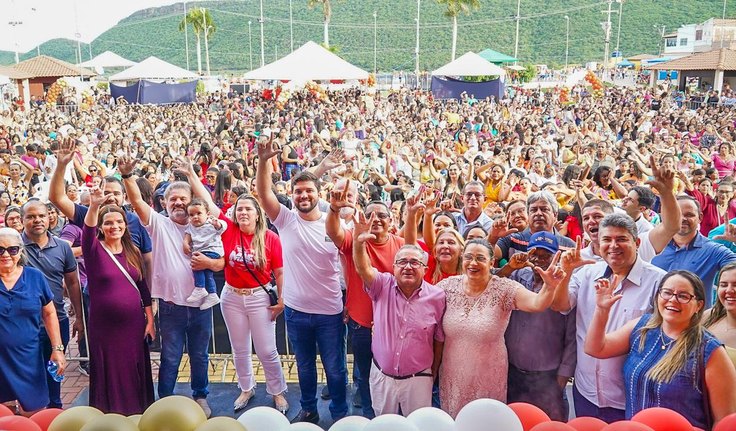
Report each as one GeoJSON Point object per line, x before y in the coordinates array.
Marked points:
{"type": "Point", "coordinates": [682, 297]}
{"type": "Point", "coordinates": [476, 195]}
{"type": "Point", "coordinates": [13, 250]}
{"type": "Point", "coordinates": [413, 263]}
{"type": "Point", "coordinates": [470, 258]}
{"type": "Point", "coordinates": [379, 216]}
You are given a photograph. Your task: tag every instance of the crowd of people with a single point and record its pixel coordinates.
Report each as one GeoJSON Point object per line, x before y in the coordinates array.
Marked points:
{"type": "Point", "coordinates": [464, 249]}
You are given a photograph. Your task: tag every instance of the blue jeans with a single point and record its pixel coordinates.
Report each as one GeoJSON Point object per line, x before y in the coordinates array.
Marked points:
{"type": "Point", "coordinates": [583, 407]}
{"type": "Point", "coordinates": [206, 277]}
{"type": "Point", "coordinates": [306, 333]}
{"type": "Point", "coordinates": [54, 386]}
{"type": "Point", "coordinates": [181, 326]}
{"type": "Point", "coordinates": [361, 338]}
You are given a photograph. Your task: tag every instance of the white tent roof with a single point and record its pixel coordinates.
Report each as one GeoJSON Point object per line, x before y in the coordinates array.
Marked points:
{"type": "Point", "coordinates": [310, 62]}
{"type": "Point", "coordinates": [108, 59]}
{"type": "Point", "coordinates": [469, 64]}
{"type": "Point", "coordinates": [153, 68]}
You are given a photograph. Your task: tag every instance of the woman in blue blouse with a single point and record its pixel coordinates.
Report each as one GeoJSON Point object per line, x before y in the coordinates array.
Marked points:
{"type": "Point", "coordinates": [668, 352]}
{"type": "Point", "coordinates": [25, 300]}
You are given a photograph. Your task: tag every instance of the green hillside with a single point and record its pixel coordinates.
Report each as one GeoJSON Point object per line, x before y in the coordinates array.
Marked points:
{"type": "Point", "coordinates": [541, 39]}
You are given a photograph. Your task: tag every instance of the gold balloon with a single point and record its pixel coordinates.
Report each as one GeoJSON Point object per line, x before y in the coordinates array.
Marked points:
{"type": "Point", "coordinates": [221, 423]}
{"type": "Point", "coordinates": [110, 422]}
{"type": "Point", "coordinates": [174, 413]}
{"type": "Point", "coordinates": [135, 418]}
{"type": "Point", "coordinates": [74, 418]}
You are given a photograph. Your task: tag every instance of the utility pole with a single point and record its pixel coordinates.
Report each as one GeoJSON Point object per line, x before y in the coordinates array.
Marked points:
{"type": "Point", "coordinates": [607, 33]}
{"type": "Point", "coordinates": [186, 34]}
{"type": "Point", "coordinates": [250, 46]}
{"type": "Point", "coordinates": [263, 52]}
{"type": "Point", "coordinates": [291, 27]}
{"type": "Point", "coordinates": [567, 39]}
{"type": "Point", "coordinates": [416, 48]}
{"type": "Point", "coordinates": [516, 39]}
{"type": "Point", "coordinates": [375, 42]}
{"type": "Point", "coordinates": [620, 18]}
{"type": "Point", "coordinates": [661, 39]}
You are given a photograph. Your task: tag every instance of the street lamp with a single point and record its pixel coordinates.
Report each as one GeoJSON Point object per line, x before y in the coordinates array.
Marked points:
{"type": "Point", "coordinates": [250, 46]}
{"type": "Point", "coordinates": [416, 48]}
{"type": "Point", "coordinates": [518, 19]}
{"type": "Point", "coordinates": [291, 27]}
{"type": "Point", "coordinates": [375, 42]}
{"type": "Point", "coordinates": [567, 39]}
{"type": "Point", "coordinates": [186, 34]}
{"type": "Point", "coordinates": [263, 52]}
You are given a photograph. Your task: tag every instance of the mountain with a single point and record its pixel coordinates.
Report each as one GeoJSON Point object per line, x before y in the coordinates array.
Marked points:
{"type": "Point", "coordinates": [541, 35]}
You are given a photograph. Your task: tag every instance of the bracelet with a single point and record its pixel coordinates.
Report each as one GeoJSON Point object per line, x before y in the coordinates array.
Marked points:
{"type": "Point", "coordinates": [59, 348]}
{"type": "Point", "coordinates": [333, 210]}
{"type": "Point", "coordinates": [126, 176]}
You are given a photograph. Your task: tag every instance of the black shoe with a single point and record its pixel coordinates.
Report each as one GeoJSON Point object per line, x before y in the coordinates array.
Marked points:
{"type": "Point", "coordinates": [325, 393]}
{"type": "Point", "coordinates": [305, 416]}
{"type": "Point", "coordinates": [357, 401]}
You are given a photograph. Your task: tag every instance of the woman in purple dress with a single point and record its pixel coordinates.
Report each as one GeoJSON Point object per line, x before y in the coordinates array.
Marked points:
{"type": "Point", "coordinates": [120, 314]}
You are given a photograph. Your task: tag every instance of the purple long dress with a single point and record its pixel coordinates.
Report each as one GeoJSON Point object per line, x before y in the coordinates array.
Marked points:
{"type": "Point", "coordinates": [120, 379]}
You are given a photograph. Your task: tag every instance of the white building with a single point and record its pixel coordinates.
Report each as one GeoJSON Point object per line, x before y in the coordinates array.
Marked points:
{"type": "Point", "coordinates": [693, 38]}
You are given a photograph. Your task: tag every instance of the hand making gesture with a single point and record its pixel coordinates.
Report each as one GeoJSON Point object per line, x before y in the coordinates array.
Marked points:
{"type": "Point", "coordinates": [362, 228]}
{"type": "Point", "coordinates": [183, 165]}
{"type": "Point", "coordinates": [554, 274]}
{"type": "Point", "coordinates": [65, 153]}
{"type": "Point", "coordinates": [664, 179]}
{"type": "Point", "coordinates": [333, 160]}
{"type": "Point", "coordinates": [499, 229]}
{"type": "Point", "coordinates": [266, 149]}
{"type": "Point", "coordinates": [572, 259]}
{"type": "Point", "coordinates": [519, 260]}
{"type": "Point", "coordinates": [339, 198]}
{"type": "Point", "coordinates": [604, 297]}
{"type": "Point", "coordinates": [126, 164]}
{"type": "Point", "coordinates": [729, 234]}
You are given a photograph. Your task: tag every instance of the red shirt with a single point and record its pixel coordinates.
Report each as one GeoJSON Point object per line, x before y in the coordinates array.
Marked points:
{"type": "Point", "coordinates": [238, 244]}
{"type": "Point", "coordinates": [357, 303]}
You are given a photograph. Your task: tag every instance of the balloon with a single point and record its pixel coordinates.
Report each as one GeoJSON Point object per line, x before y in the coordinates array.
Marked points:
{"type": "Point", "coordinates": [350, 423]}
{"type": "Point", "coordinates": [662, 419]}
{"type": "Point", "coordinates": [74, 418]}
{"type": "Point", "coordinates": [552, 426]}
{"type": "Point", "coordinates": [18, 423]}
{"type": "Point", "coordinates": [302, 426]}
{"type": "Point", "coordinates": [175, 413]}
{"type": "Point", "coordinates": [44, 417]}
{"type": "Point", "coordinates": [135, 418]}
{"type": "Point", "coordinates": [390, 422]}
{"type": "Point", "coordinates": [430, 418]}
{"type": "Point", "coordinates": [221, 424]}
{"type": "Point", "coordinates": [263, 418]}
{"type": "Point", "coordinates": [4, 411]}
{"type": "Point", "coordinates": [627, 426]}
{"type": "Point", "coordinates": [726, 424]}
{"type": "Point", "coordinates": [110, 422]}
{"type": "Point", "coordinates": [478, 415]}
{"type": "Point", "coordinates": [529, 414]}
{"type": "Point", "coordinates": [585, 423]}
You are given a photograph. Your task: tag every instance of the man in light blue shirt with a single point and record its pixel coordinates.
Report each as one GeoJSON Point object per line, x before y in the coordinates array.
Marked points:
{"type": "Point", "coordinates": [472, 214]}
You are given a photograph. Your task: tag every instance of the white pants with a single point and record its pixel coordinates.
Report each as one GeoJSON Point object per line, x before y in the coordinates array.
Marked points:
{"type": "Point", "coordinates": [248, 317]}
{"type": "Point", "coordinates": [388, 394]}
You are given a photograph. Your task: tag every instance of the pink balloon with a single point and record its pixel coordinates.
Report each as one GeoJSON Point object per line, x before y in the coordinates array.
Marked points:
{"type": "Point", "coordinates": [585, 423]}
{"type": "Point", "coordinates": [662, 419]}
{"type": "Point", "coordinates": [726, 424]}
{"type": "Point", "coordinates": [627, 426]}
{"type": "Point", "coordinates": [552, 426]}
{"type": "Point", "coordinates": [17, 423]}
{"type": "Point", "coordinates": [529, 415]}
{"type": "Point", "coordinates": [44, 417]}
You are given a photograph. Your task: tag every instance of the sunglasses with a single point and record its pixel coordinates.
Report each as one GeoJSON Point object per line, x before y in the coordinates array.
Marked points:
{"type": "Point", "coordinates": [13, 250]}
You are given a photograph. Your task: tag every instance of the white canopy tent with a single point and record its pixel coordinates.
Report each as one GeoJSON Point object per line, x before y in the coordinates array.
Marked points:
{"type": "Point", "coordinates": [310, 62]}
{"type": "Point", "coordinates": [153, 69]}
{"type": "Point", "coordinates": [469, 64]}
{"type": "Point", "coordinates": [108, 59]}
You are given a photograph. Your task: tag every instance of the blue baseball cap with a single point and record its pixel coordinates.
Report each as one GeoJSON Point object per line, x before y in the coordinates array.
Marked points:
{"type": "Point", "coordinates": [544, 240]}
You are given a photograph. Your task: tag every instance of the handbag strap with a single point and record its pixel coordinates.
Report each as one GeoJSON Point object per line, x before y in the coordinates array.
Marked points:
{"type": "Point", "coordinates": [242, 253]}
{"type": "Point", "coordinates": [123, 270]}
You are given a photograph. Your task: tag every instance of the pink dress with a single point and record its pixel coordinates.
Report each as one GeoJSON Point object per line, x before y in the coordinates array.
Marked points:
{"type": "Point", "coordinates": [475, 361]}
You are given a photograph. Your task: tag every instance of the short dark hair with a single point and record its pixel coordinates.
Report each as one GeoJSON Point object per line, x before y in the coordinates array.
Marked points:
{"type": "Point", "coordinates": [604, 205]}
{"type": "Point", "coordinates": [306, 176]}
{"type": "Point", "coordinates": [646, 196]}
{"type": "Point", "coordinates": [690, 199]}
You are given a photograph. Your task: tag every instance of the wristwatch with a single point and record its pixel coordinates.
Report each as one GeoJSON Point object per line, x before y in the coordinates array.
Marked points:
{"type": "Point", "coordinates": [59, 348]}
{"type": "Point", "coordinates": [126, 176]}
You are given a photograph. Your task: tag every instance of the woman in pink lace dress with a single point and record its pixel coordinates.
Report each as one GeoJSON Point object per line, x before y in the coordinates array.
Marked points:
{"type": "Point", "coordinates": [475, 362]}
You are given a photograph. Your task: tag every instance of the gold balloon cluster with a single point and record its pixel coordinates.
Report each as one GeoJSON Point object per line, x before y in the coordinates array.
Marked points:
{"type": "Point", "coordinates": [87, 101]}
{"type": "Point", "coordinates": [598, 88]}
{"type": "Point", "coordinates": [174, 413]}
{"type": "Point", "coordinates": [53, 93]}
{"type": "Point", "coordinates": [317, 91]}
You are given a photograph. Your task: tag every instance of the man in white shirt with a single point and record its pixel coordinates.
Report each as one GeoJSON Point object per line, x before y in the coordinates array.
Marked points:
{"type": "Point", "coordinates": [638, 200]}
{"type": "Point", "coordinates": [312, 295]}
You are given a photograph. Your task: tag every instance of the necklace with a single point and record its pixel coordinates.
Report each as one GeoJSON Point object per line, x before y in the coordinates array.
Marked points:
{"type": "Point", "coordinates": [665, 345]}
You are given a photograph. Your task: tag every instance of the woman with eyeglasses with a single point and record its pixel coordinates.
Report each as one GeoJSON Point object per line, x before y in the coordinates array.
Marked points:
{"type": "Point", "coordinates": [671, 360]}
{"type": "Point", "coordinates": [479, 304]}
{"type": "Point", "coordinates": [721, 319]}
{"type": "Point", "coordinates": [25, 301]}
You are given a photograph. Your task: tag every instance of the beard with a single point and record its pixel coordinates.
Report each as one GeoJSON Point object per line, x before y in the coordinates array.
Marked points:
{"type": "Point", "coordinates": [308, 209]}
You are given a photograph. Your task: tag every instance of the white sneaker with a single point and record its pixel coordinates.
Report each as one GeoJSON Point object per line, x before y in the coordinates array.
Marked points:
{"type": "Point", "coordinates": [205, 406]}
{"type": "Point", "coordinates": [211, 300]}
{"type": "Point", "coordinates": [197, 294]}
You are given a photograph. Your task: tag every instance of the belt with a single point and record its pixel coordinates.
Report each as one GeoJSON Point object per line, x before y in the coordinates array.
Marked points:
{"type": "Point", "coordinates": [531, 372]}
{"type": "Point", "coordinates": [243, 292]}
{"type": "Point", "coordinates": [419, 374]}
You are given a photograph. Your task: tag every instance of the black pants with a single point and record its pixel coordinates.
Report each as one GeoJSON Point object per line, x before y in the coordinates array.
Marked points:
{"type": "Point", "coordinates": [539, 388]}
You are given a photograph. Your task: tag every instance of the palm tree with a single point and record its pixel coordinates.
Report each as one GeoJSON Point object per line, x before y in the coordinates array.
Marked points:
{"type": "Point", "coordinates": [454, 7]}
{"type": "Point", "coordinates": [202, 24]}
{"type": "Point", "coordinates": [327, 12]}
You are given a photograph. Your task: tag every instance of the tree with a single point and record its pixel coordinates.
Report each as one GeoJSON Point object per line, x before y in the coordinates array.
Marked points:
{"type": "Point", "coordinates": [454, 7]}
{"type": "Point", "coordinates": [327, 13]}
{"type": "Point", "coordinates": [202, 24]}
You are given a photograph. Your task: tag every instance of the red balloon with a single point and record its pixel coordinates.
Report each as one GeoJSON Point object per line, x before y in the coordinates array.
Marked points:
{"type": "Point", "coordinates": [585, 423]}
{"type": "Point", "coordinates": [698, 429]}
{"type": "Point", "coordinates": [17, 423]}
{"type": "Point", "coordinates": [4, 411]}
{"type": "Point", "coordinates": [662, 419]}
{"type": "Point", "coordinates": [726, 424]}
{"type": "Point", "coordinates": [552, 426]}
{"type": "Point", "coordinates": [529, 414]}
{"type": "Point", "coordinates": [44, 418]}
{"type": "Point", "coordinates": [627, 426]}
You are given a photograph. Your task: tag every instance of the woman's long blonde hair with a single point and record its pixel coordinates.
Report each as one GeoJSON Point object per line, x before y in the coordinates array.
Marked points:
{"type": "Point", "coordinates": [688, 342]}
{"type": "Point", "coordinates": [259, 235]}
{"type": "Point", "coordinates": [437, 274]}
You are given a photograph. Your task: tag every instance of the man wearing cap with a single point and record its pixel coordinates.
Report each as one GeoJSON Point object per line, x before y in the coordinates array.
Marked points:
{"type": "Point", "coordinates": [541, 346]}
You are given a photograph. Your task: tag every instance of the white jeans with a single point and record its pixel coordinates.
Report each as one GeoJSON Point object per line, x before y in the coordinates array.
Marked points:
{"type": "Point", "coordinates": [388, 394]}
{"type": "Point", "coordinates": [248, 317]}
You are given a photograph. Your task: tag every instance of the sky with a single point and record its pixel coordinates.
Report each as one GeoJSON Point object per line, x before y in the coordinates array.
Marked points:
{"type": "Point", "coordinates": [43, 20]}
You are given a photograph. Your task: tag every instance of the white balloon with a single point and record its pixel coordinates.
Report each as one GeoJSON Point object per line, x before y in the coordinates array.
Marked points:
{"type": "Point", "coordinates": [350, 423]}
{"type": "Point", "coordinates": [430, 418]}
{"type": "Point", "coordinates": [302, 426]}
{"type": "Point", "coordinates": [263, 418]}
{"type": "Point", "coordinates": [390, 422]}
{"type": "Point", "coordinates": [479, 414]}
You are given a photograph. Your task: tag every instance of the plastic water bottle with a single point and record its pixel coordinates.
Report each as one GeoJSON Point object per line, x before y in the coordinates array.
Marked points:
{"type": "Point", "coordinates": [53, 369]}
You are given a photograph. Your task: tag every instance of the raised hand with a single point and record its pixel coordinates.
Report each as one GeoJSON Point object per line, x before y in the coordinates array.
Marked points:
{"type": "Point", "coordinates": [362, 227]}
{"type": "Point", "coordinates": [554, 274]}
{"type": "Point", "coordinates": [431, 204]}
{"type": "Point", "coordinates": [97, 196]}
{"type": "Point", "coordinates": [572, 259]}
{"type": "Point", "coordinates": [266, 149]}
{"type": "Point", "coordinates": [333, 160]}
{"type": "Point", "coordinates": [414, 203]}
{"type": "Point", "coordinates": [126, 164]}
{"type": "Point", "coordinates": [339, 197]}
{"type": "Point", "coordinates": [500, 229]}
{"type": "Point", "coordinates": [604, 297]}
{"type": "Point", "coordinates": [183, 165]}
{"type": "Point", "coordinates": [729, 234]}
{"type": "Point", "coordinates": [664, 179]}
{"type": "Point", "coordinates": [65, 153]}
{"type": "Point", "coordinates": [519, 260]}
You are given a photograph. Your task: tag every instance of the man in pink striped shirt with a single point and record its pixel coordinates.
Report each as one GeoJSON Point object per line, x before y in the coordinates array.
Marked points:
{"type": "Point", "coordinates": [407, 329]}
